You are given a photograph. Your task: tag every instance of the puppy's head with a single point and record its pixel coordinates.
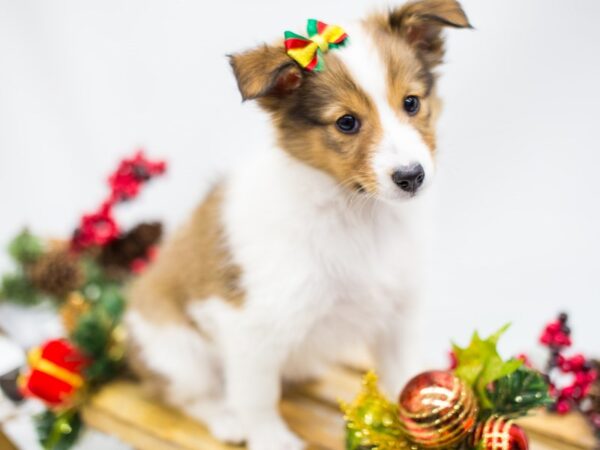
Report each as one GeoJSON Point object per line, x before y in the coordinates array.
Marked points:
{"type": "Point", "coordinates": [368, 119]}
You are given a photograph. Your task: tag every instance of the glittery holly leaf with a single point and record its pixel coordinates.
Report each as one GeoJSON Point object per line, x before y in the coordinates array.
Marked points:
{"type": "Point", "coordinates": [518, 393]}
{"type": "Point", "coordinates": [372, 420]}
{"type": "Point", "coordinates": [479, 364]}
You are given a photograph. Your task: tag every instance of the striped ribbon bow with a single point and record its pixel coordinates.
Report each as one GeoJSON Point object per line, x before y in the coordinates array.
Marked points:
{"type": "Point", "coordinates": [308, 52]}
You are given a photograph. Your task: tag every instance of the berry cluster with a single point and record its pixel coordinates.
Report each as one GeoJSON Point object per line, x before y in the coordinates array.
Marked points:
{"type": "Point", "coordinates": [100, 228]}
{"type": "Point", "coordinates": [591, 406]}
{"type": "Point", "coordinates": [96, 229]}
{"type": "Point", "coordinates": [131, 174]}
{"type": "Point", "coordinates": [557, 337]}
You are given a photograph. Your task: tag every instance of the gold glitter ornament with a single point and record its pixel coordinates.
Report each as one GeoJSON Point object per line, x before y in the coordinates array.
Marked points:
{"type": "Point", "coordinates": [437, 410]}
{"type": "Point", "coordinates": [72, 309]}
{"type": "Point", "coordinates": [372, 420]}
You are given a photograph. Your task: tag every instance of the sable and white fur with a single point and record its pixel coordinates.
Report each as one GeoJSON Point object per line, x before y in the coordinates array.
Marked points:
{"type": "Point", "coordinates": [296, 255]}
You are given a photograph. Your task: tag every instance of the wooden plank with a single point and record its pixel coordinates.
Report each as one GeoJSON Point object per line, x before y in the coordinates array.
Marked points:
{"type": "Point", "coordinates": [570, 431]}
{"type": "Point", "coordinates": [320, 426]}
{"type": "Point", "coordinates": [339, 384]}
{"type": "Point", "coordinates": [5, 443]}
{"type": "Point", "coordinates": [311, 410]}
{"type": "Point", "coordinates": [122, 410]}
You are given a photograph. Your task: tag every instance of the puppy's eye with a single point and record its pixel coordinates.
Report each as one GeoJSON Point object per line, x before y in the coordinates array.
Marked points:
{"type": "Point", "coordinates": [348, 124]}
{"type": "Point", "coordinates": [412, 105]}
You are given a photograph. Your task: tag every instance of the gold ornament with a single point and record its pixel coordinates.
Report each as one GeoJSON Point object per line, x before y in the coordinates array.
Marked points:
{"type": "Point", "coordinates": [437, 410]}
{"type": "Point", "coordinates": [72, 309]}
{"type": "Point", "coordinates": [372, 420]}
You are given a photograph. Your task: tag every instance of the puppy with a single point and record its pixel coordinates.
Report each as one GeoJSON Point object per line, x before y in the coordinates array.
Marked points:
{"type": "Point", "coordinates": [314, 245]}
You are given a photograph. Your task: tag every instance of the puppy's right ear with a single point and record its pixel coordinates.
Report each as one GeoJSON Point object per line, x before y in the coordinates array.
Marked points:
{"type": "Point", "coordinates": [266, 71]}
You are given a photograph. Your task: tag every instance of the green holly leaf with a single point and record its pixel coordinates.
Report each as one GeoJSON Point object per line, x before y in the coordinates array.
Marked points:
{"type": "Point", "coordinates": [516, 394]}
{"type": "Point", "coordinates": [480, 364]}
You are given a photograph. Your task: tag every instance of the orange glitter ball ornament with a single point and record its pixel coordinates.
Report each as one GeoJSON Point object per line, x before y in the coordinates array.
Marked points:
{"type": "Point", "coordinates": [437, 410]}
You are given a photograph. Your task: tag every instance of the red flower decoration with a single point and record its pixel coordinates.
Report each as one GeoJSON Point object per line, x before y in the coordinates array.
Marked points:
{"type": "Point", "coordinates": [100, 228]}
{"type": "Point", "coordinates": [97, 229]}
{"type": "Point", "coordinates": [131, 174]}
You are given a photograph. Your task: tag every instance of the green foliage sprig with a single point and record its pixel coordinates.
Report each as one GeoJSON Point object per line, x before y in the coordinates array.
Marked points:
{"type": "Point", "coordinates": [502, 387]}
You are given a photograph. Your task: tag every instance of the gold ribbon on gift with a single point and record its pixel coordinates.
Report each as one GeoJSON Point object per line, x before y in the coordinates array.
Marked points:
{"type": "Point", "coordinates": [36, 362]}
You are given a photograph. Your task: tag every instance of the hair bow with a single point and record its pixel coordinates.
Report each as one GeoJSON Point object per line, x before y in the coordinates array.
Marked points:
{"type": "Point", "coordinates": [308, 52]}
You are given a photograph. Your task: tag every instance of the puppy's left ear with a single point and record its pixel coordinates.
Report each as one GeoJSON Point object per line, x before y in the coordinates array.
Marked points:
{"type": "Point", "coordinates": [420, 23]}
{"type": "Point", "coordinates": [266, 71]}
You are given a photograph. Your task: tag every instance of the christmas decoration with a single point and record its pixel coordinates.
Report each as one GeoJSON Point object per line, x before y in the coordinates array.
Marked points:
{"type": "Point", "coordinates": [591, 405]}
{"type": "Point", "coordinates": [479, 364]}
{"type": "Point", "coordinates": [497, 433]}
{"type": "Point", "coordinates": [17, 288]}
{"type": "Point", "coordinates": [470, 406]}
{"type": "Point", "coordinates": [56, 373]}
{"type": "Point", "coordinates": [437, 410]}
{"type": "Point", "coordinates": [100, 228]}
{"type": "Point", "coordinates": [72, 309]}
{"type": "Point", "coordinates": [133, 250]}
{"type": "Point", "coordinates": [26, 248]}
{"type": "Point", "coordinates": [557, 337]}
{"type": "Point", "coordinates": [80, 278]}
{"type": "Point", "coordinates": [308, 52]}
{"type": "Point", "coordinates": [131, 174]}
{"type": "Point", "coordinates": [56, 273]}
{"type": "Point", "coordinates": [517, 393]}
{"type": "Point", "coordinates": [58, 430]}
{"type": "Point", "coordinates": [372, 421]}
{"type": "Point", "coordinates": [96, 229]}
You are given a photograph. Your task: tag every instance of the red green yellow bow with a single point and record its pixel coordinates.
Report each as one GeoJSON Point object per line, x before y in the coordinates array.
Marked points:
{"type": "Point", "coordinates": [308, 52]}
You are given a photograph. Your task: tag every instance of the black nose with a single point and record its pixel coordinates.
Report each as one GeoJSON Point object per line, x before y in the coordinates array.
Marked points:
{"type": "Point", "coordinates": [409, 178]}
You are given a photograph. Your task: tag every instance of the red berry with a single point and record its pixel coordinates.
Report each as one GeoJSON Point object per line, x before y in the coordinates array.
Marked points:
{"type": "Point", "coordinates": [577, 361]}
{"type": "Point", "coordinates": [553, 327]}
{"type": "Point", "coordinates": [563, 407]}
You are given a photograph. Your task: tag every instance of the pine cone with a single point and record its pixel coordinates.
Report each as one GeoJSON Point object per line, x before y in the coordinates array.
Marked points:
{"type": "Point", "coordinates": [134, 244]}
{"type": "Point", "coordinates": [56, 273]}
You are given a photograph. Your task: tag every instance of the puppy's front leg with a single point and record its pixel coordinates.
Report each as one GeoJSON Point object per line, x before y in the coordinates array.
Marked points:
{"type": "Point", "coordinates": [253, 365]}
{"type": "Point", "coordinates": [397, 350]}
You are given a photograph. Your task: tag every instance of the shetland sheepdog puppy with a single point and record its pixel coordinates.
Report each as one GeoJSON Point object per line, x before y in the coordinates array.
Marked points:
{"type": "Point", "coordinates": [315, 244]}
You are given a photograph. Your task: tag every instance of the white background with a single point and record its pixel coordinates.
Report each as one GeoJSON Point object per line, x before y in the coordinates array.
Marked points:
{"type": "Point", "coordinates": [83, 83]}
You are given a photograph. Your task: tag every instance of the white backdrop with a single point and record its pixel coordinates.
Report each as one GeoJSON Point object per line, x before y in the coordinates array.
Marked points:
{"type": "Point", "coordinates": [84, 82]}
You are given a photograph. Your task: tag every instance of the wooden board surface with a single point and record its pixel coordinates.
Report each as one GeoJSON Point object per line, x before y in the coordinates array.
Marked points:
{"type": "Point", "coordinates": [5, 444]}
{"type": "Point", "coordinates": [122, 410]}
{"type": "Point", "coordinates": [312, 411]}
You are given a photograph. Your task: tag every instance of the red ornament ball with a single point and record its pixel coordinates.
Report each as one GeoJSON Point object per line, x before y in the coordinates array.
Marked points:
{"type": "Point", "coordinates": [498, 433]}
{"type": "Point", "coordinates": [437, 410]}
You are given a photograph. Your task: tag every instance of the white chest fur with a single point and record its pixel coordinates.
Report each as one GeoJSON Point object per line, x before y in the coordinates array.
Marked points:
{"type": "Point", "coordinates": [323, 266]}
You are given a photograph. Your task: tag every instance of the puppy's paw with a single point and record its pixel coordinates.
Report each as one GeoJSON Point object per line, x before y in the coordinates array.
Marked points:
{"type": "Point", "coordinates": [226, 427]}
{"type": "Point", "coordinates": [222, 423]}
{"type": "Point", "coordinates": [274, 436]}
